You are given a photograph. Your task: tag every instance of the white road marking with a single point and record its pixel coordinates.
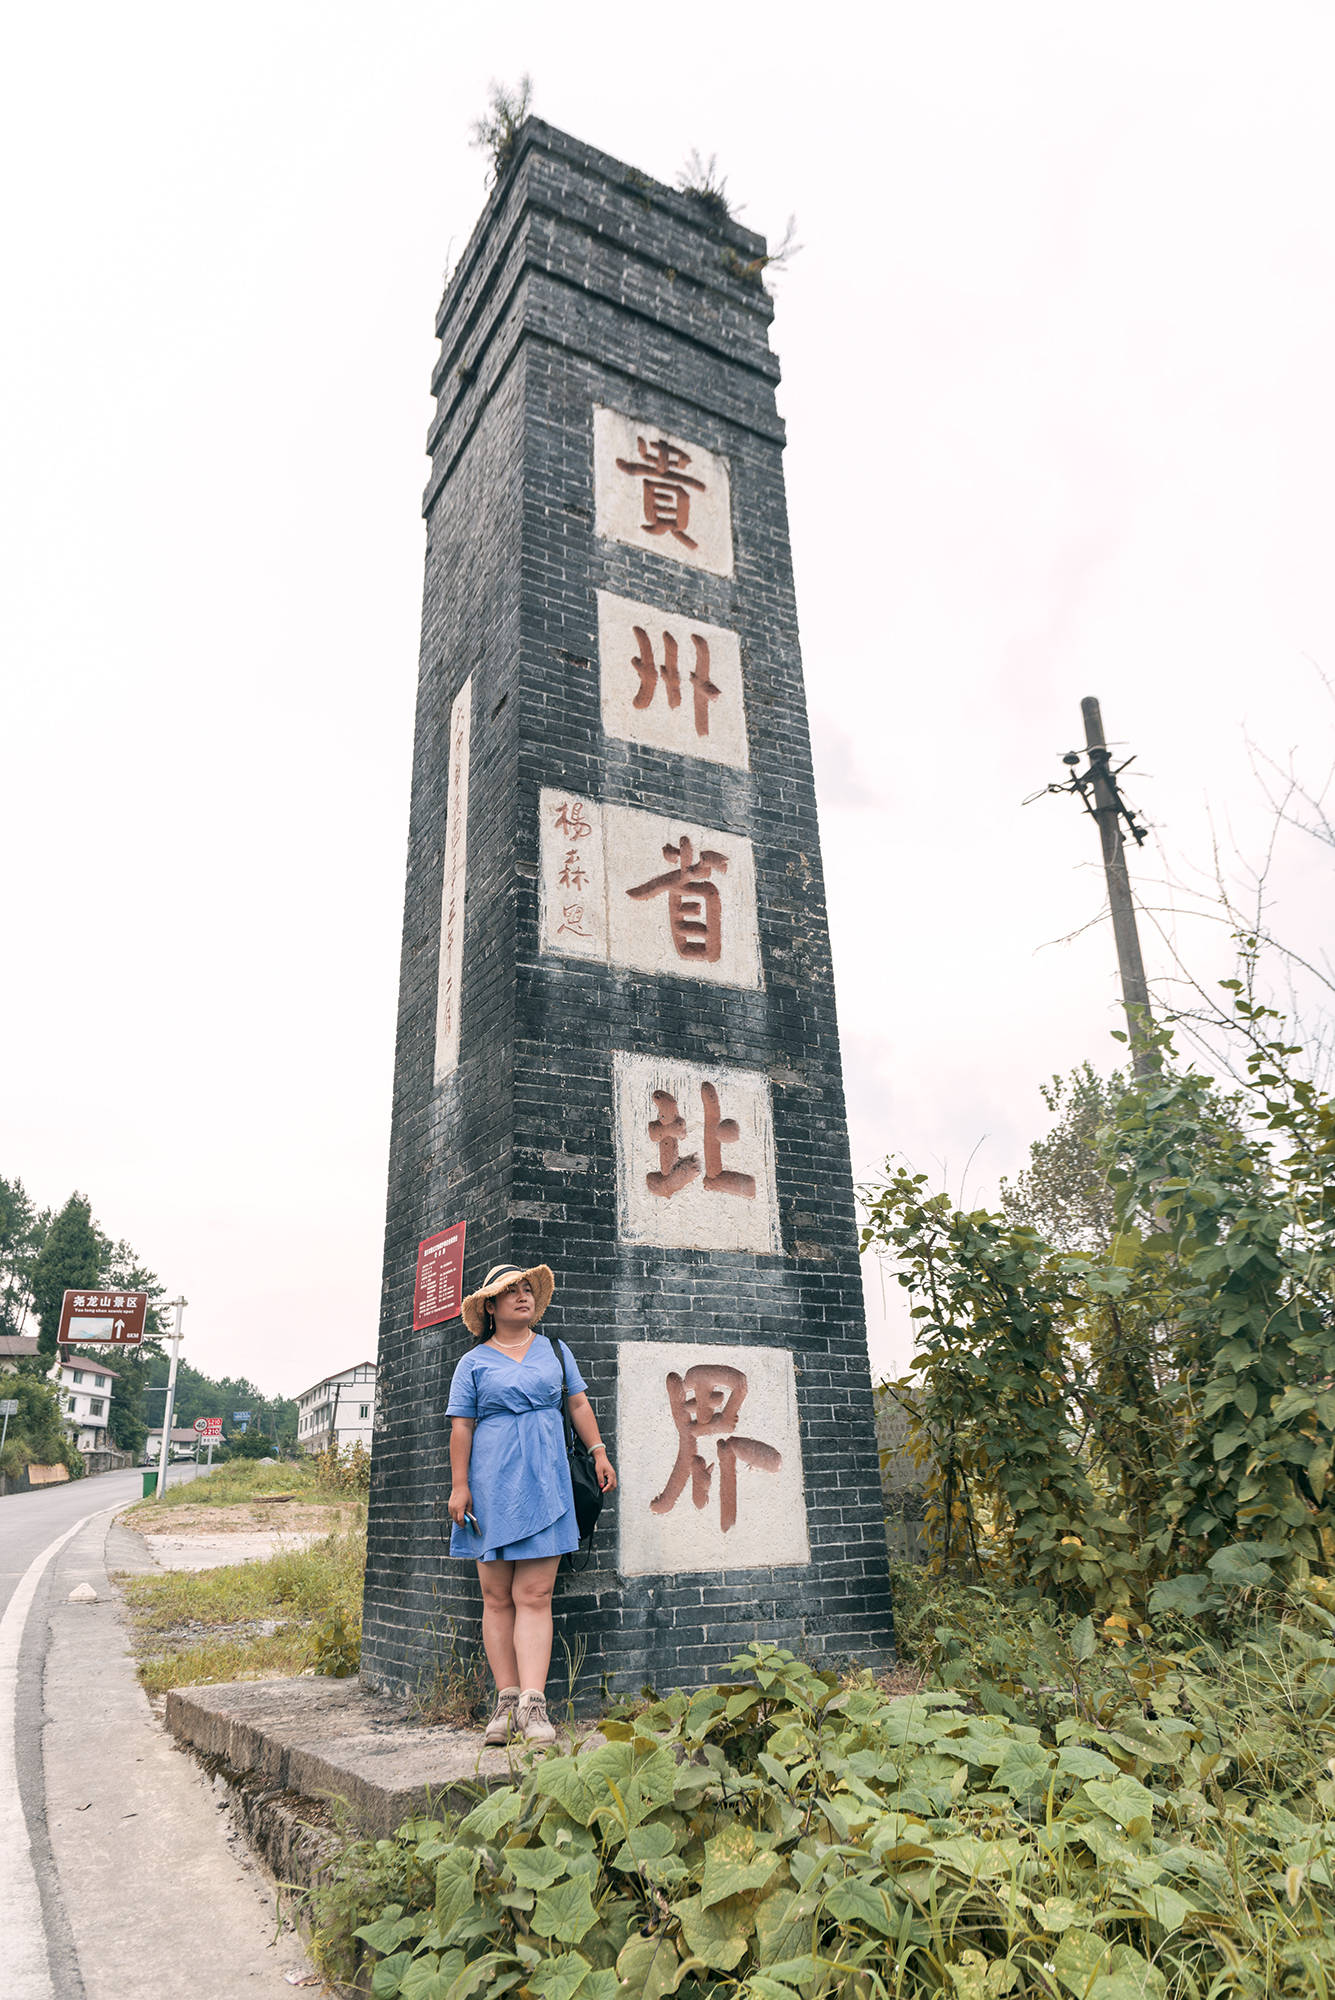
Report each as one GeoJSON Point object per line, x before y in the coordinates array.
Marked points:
{"type": "Point", "coordinates": [29, 1977]}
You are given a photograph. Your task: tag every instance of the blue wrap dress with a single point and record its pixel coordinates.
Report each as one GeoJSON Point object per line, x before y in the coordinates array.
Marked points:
{"type": "Point", "coordinates": [518, 1472]}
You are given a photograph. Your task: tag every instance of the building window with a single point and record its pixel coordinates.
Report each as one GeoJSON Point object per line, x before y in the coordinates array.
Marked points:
{"type": "Point", "coordinates": [364, 1412]}
{"type": "Point", "coordinates": [95, 1407]}
{"type": "Point", "coordinates": [78, 1374]}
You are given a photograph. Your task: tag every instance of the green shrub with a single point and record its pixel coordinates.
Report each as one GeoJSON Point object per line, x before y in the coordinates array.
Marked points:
{"type": "Point", "coordinates": [789, 1837]}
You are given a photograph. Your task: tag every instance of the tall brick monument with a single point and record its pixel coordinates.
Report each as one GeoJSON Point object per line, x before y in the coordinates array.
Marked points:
{"type": "Point", "coordinates": [617, 1050]}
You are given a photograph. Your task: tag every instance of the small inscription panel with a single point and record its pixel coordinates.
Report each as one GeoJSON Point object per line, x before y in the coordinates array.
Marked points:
{"type": "Point", "coordinates": [674, 683]}
{"type": "Point", "coordinates": [657, 895]}
{"type": "Point", "coordinates": [449, 978]}
{"type": "Point", "coordinates": [661, 493]}
{"type": "Point", "coordinates": [695, 1155]}
{"type": "Point", "coordinates": [710, 1459]}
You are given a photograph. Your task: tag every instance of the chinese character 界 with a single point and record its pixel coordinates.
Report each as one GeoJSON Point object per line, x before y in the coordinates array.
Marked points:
{"type": "Point", "coordinates": [694, 913]}
{"type": "Point", "coordinates": [648, 670]}
{"type": "Point", "coordinates": [667, 499]}
{"type": "Point", "coordinates": [706, 1402]}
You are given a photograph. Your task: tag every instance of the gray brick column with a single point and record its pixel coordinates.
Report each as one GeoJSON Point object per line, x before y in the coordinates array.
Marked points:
{"type": "Point", "coordinates": [576, 618]}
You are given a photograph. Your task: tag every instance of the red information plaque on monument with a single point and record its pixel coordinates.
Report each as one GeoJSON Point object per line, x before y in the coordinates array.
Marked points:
{"type": "Point", "coordinates": [439, 1291]}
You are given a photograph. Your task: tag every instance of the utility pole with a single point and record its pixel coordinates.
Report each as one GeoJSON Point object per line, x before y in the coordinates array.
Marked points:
{"type": "Point", "coordinates": [1109, 811]}
{"type": "Point", "coordinates": [170, 1411]}
{"type": "Point", "coordinates": [1098, 791]}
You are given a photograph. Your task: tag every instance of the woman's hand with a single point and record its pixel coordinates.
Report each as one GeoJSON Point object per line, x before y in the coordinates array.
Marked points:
{"type": "Point", "coordinates": [605, 1469]}
{"type": "Point", "coordinates": [460, 1503]}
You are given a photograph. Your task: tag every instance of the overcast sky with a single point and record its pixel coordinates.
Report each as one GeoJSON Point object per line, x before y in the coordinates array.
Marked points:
{"type": "Point", "coordinates": [1058, 374]}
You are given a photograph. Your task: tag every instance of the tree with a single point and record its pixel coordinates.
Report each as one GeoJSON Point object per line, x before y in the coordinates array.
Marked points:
{"type": "Point", "coordinates": [22, 1228]}
{"type": "Point", "coordinates": [70, 1257]}
{"type": "Point", "coordinates": [1064, 1194]}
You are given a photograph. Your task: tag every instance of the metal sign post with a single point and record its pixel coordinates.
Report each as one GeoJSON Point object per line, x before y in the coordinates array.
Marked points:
{"type": "Point", "coordinates": [8, 1408]}
{"type": "Point", "coordinates": [170, 1411]}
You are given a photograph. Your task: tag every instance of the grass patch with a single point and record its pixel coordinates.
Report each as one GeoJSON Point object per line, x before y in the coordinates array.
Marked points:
{"type": "Point", "coordinates": [298, 1610]}
{"type": "Point", "coordinates": [229, 1486]}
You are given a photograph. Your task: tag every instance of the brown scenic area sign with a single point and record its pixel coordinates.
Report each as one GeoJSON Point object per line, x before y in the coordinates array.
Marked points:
{"type": "Point", "coordinates": [110, 1318]}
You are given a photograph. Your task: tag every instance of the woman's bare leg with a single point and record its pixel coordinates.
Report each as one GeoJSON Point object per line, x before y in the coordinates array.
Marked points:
{"type": "Point", "coordinates": [498, 1622]}
{"type": "Point", "coordinates": [531, 1593]}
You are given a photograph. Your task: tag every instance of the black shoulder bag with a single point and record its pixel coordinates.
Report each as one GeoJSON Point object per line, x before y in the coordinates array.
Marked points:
{"type": "Point", "coordinates": [583, 1477]}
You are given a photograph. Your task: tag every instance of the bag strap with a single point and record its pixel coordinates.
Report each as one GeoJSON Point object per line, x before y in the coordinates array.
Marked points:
{"type": "Point", "coordinates": [565, 1394]}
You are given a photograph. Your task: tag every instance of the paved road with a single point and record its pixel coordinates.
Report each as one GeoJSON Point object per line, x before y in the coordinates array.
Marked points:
{"type": "Point", "coordinates": [111, 1846]}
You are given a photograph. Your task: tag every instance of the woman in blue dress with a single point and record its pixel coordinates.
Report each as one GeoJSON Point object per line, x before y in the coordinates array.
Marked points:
{"type": "Point", "coordinates": [510, 1498]}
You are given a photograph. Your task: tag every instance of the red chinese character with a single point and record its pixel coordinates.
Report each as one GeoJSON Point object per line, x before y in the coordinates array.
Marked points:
{"type": "Point", "coordinates": [694, 914]}
{"type": "Point", "coordinates": [667, 1131]}
{"type": "Point", "coordinates": [648, 670]}
{"type": "Point", "coordinates": [721, 1132]}
{"type": "Point", "coordinates": [667, 499]}
{"type": "Point", "coordinates": [569, 819]}
{"type": "Point", "coordinates": [572, 874]}
{"type": "Point", "coordinates": [707, 1402]}
{"type": "Point", "coordinates": [572, 921]}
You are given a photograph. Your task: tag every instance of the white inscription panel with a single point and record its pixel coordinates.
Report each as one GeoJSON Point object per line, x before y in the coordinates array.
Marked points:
{"type": "Point", "coordinates": [661, 493]}
{"type": "Point", "coordinates": [654, 894]}
{"type": "Point", "coordinates": [695, 1155]}
{"type": "Point", "coordinates": [671, 682]}
{"type": "Point", "coordinates": [449, 978]}
{"type": "Point", "coordinates": [709, 1457]}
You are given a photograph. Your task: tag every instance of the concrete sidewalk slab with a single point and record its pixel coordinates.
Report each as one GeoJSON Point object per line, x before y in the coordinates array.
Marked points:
{"type": "Point", "coordinates": [333, 1739]}
{"type": "Point", "coordinates": [160, 1900]}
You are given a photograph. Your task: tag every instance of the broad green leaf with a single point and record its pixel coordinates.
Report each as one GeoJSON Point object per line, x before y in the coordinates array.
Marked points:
{"type": "Point", "coordinates": [494, 1813]}
{"type": "Point", "coordinates": [1084, 1644]}
{"type": "Point", "coordinates": [559, 1978]}
{"type": "Point", "coordinates": [1082, 1762]}
{"type": "Point", "coordinates": [734, 1865]}
{"type": "Point", "coordinates": [645, 1843]}
{"type": "Point", "coordinates": [536, 1867]}
{"type": "Point", "coordinates": [1078, 1960]}
{"type": "Point", "coordinates": [430, 1977]}
{"type": "Point", "coordinates": [647, 1967]}
{"type": "Point", "coordinates": [1240, 1566]}
{"type": "Point", "coordinates": [561, 1778]}
{"type": "Point", "coordinates": [386, 1934]}
{"type": "Point", "coordinates": [783, 1923]}
{"type": "Point", "coordinates": [716, 1935]}
{"type": "Point", "coordinates": [1059, 1913]}
{"type": "Point", "coordinates": [565, 1912]}
{"type": "Point", "coordinates": [1024, 1770]}
{"type": "Point", "coordinates": [854, 1901]}
{"type": "Point", "coordinates": [1164, 1905]}
{"type": "Point", "coordinates": [1190, 1594]}
{"type": "Point", "coordinates": [1124, 1800]}
{"type": "Point", "coordinates": [454, 1887]}
{"type": "Point", "coordinates": [387, 1973]}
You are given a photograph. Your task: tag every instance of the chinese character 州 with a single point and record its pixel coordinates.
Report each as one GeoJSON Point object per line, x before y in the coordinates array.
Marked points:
{"type": "Point", "coordinates": [694, 914]}
{"type": "Point", "coordinates": [675, 1171]}
{"type": "Point", "coordinates": [648, 670]}
{"type": "Point", "coordinates": [667, 498]}
{"type": "Point", "coordinates": [707, 1402]}
{"type": "Point", "coordinates": [569, 819]}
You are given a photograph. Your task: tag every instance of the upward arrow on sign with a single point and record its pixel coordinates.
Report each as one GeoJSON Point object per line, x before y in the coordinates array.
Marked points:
{"type": "Point", "coordinates": [120, 1328]}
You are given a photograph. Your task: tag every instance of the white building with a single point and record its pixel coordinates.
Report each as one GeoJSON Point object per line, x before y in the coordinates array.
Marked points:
{"type": "Point", "coordinates": [85, 1398]}
{"type": "Point", "coordinates": [338, 1410]}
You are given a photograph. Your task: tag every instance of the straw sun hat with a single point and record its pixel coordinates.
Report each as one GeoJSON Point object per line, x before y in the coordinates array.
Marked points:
{"type": "Point", "coordinates": [498, 1279]}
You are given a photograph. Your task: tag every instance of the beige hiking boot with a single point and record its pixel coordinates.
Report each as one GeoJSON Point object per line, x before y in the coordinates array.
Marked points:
{"type": "Point", "coordinates": [503, 1724]}
{"type": "Point", "coordinates": [533, 1721]}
